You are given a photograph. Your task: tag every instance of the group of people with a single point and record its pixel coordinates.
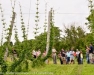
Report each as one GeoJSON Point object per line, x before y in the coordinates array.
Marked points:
{"type": "Point", "coordinates": [36, 53]}
{"type": "Point", "coordinates": [68, 56]}
{"type": "Point", "coordinates": [65, 56]}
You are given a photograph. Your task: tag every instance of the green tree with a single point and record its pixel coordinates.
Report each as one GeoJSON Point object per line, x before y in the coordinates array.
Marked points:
{"type": "Point", "coordinates": [90, 18]}
{"type": "Point", "coordinates": [74, 37]}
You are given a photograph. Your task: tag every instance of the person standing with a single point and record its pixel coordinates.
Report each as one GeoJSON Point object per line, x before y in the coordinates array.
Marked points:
{"type": "Point", "coordinates": [87, 54]}
{"type": "Point", "coordinates": [68, 57]}
{"type": "Point", "coordinates": [54, 56]}
{"type": "Point", "coordinates": [60, 58]}
{"type": "Point", "coordinates": [77, 53]}
{"type": "Point", "coordinates": [72, 56]}
{"type": "Point", "coordinates": [90, 52]}
{"type": "Point", "coordinates": [63, 56]}
{"type": "Point", "coordinates": [81, 55]}
{"type": "Point", "coordinates": [80, 58]}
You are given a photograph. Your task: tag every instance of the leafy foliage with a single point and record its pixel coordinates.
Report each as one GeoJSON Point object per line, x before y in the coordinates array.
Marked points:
{"type": "Point", "coordinates": [3, 65]}
{"type": "Point", "coordinates": [74, 37]}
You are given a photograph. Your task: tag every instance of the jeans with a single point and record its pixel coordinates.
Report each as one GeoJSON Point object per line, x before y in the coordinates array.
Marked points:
{"type": "Point", "coordinates": [81, 60]}
{"type": "Point", "coordinates": [87, 58]}
{"type": "Point", "coordinates": [54, 59]}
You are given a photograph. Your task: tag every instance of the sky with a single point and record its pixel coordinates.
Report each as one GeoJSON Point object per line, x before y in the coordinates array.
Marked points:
{"type": "Point", "coordinates": [66, 12]}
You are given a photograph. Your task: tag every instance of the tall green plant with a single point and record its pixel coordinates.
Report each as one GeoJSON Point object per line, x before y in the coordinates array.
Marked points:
{"type": "Point", "coordinates": [37, 19]}
{"type": "Point", "coordinates": [45, 23]}
{"type": "Point", "coordinates": [25, 53]}
{"type": "Point", "coordinates": [51, 34]}
{"type": "Point", "coordinates": [40, 61]}
{"type": "Point", "coordinates": [10, 29]}
{"type": "Point", "coordinates": [16, 35]}
{"type": "Point", "coordinates": [4, 25]}
{"type": "Point", "coordinates": [22, 25]}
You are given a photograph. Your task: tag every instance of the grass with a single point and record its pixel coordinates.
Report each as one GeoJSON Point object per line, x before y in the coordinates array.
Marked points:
{"type": "Point", "coordinates": [58, 69]}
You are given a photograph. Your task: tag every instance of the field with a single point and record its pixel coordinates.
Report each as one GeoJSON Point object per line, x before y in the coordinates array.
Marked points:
{"type": "Point", "coordinates": [58, 69]}
{"type": "Point", "coordinates": [70, 69]}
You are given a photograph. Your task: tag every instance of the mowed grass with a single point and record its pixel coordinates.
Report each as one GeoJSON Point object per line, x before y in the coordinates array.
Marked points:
{"type": "Point", "coordinates": [71, 69]}
{"type": "Point", "coordinates": [58, 69]}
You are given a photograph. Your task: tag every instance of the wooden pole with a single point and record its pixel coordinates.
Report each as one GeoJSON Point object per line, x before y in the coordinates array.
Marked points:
{"type": "Point", "coordinates": [48, 32]}
{"type": "Point", "coordinates": [9, 37]}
